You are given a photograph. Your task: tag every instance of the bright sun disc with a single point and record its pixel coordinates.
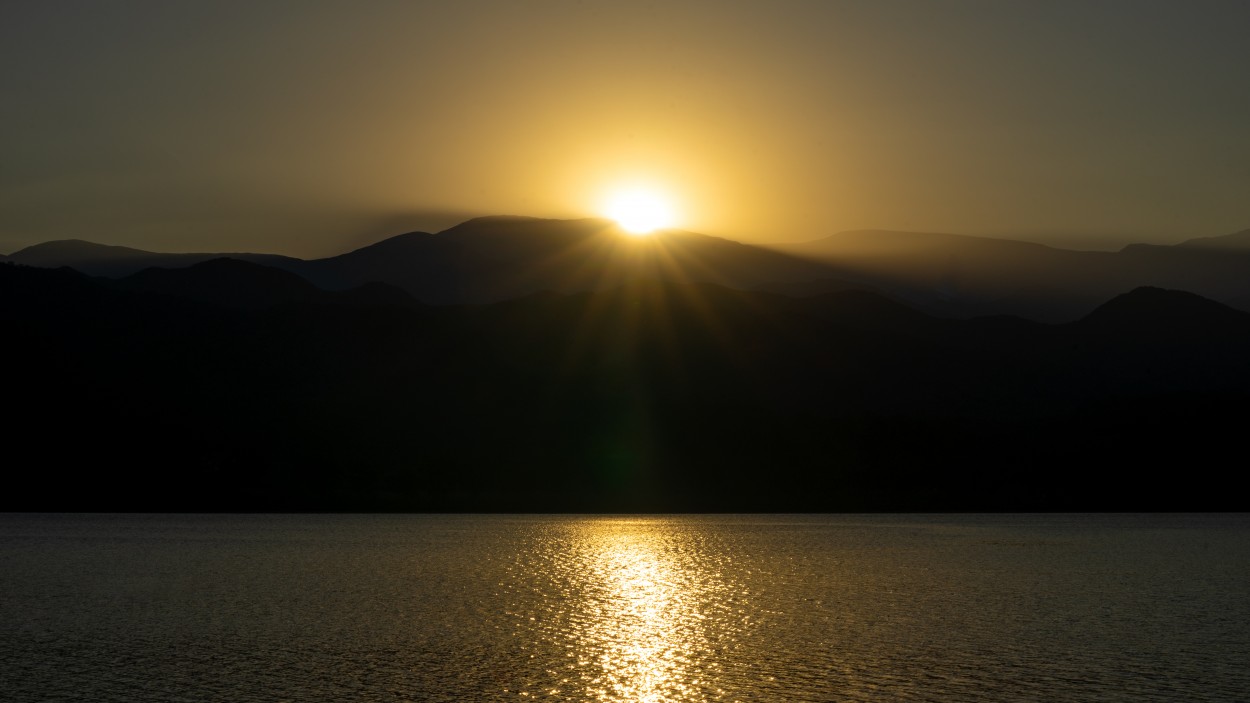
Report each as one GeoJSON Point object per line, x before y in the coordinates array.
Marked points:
{"type": "Point", "coordinates": [639, 211]}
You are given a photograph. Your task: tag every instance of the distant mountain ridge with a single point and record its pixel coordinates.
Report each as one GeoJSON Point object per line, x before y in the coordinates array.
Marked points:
{"type": "Point", "coordinates": [490, 259]}
{"type": "Point", "coordinates": [1237, 241]}
{"type": "Point", "coordinates": [117, 261]}
{"type": "Point", "coordinates": [965, 276]}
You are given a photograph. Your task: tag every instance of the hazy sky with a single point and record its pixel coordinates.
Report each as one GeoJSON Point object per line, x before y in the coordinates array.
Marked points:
{"type": "Point", "coordinates": [312, 126]}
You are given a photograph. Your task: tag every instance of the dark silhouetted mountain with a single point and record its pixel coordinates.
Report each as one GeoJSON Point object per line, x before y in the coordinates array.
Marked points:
{"type": "Point", "coordinates": [225, 281]}
{"type": "Point", "coordinates": [1151, 339]}
{"type": "Point", "coordinates": [115, 262]}
{"type": "Point", "coordinates": [651, 395]}
{"type": "Point", "coordinates": [489, 259]}
{"type": "Point", "coordinates": [242, 284]}
{"type": "Point", "coordinates": [492, 259]}
{"type": "Point", "coordinates": [1159, 310]}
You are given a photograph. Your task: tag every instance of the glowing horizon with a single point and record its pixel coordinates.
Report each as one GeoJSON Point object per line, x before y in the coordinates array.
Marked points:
{"type": "Point", "coordinates": [779, 123]}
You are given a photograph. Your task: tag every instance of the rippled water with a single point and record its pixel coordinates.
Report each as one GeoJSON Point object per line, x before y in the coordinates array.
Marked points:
{"type": "Point", "coordinates": [689, 608]}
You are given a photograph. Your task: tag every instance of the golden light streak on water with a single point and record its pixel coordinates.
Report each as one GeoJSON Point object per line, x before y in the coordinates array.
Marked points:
{"type": "Point", "coordinates": [626, 605]}
{"type": "Point", "coordinates": [641, 622]}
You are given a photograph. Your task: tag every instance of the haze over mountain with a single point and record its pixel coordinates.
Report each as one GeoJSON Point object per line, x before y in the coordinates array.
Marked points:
{"type": "Point", "coordinates": [963, 275]}
{"type": "Point", "coordinates": [294, 125]}
{"type": "Point", "coordinates": [492, 259]}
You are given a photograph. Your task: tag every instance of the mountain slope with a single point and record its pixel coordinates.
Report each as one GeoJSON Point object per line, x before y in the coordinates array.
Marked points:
{"type": "Point", "coordinates": [647, 396]}
{"type": "Point", "coordinates": [496, 258]}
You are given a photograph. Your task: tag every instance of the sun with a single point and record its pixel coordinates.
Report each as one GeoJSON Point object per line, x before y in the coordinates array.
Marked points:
{"type": "Point", "coordinates": [639, 211]}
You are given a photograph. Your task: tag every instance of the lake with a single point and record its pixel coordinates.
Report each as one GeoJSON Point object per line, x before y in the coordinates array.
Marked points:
{"type": "Point", "coordinates": [658, 608]}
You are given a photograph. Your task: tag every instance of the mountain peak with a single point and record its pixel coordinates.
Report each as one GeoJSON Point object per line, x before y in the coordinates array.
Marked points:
{"type": "Point", "coordinates": [1150, 307]}
{"type": "Point", "coordinates": [61, 248]}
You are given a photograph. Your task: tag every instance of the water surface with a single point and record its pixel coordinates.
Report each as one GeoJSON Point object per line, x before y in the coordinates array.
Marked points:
{"type": "Point", "coordinates": [666, 608]}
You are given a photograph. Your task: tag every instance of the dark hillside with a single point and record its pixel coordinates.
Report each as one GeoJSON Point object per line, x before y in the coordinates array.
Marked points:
{"type": "Point", "coordinates": [649, 396]}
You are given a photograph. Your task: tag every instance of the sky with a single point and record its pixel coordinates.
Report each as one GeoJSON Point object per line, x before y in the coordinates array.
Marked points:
{"type": "Point", "coordinates": [311, 127]}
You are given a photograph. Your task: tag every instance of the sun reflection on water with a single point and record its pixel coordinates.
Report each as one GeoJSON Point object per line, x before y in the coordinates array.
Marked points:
{"type": "Point", "coordinates": [642, 618]}
{"type": "Point", "coordinates": [627, 609]}
{"type": "Point", "coordinates": [643, 656]}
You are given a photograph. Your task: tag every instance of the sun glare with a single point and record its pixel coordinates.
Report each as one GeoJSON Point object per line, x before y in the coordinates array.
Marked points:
{"type": "Point", "coordinates": [639, 211]}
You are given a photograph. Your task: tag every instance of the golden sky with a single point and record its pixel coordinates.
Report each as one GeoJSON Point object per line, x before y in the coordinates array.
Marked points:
{"type": "Point", "coordinates": [309, 127]}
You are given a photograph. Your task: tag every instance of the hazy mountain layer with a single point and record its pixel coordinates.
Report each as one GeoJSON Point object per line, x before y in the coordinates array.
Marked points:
{"type": "Point", "coordinates": [499, 258]}
{"type": "Point", "coordinates": [968, 276]}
